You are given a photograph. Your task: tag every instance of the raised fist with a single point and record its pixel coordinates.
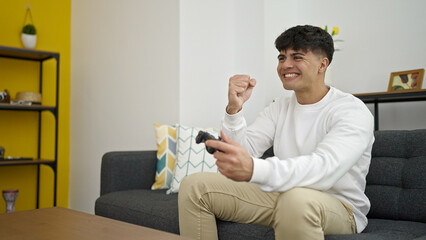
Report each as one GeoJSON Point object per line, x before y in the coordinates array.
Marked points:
{"type": "Point", "coordinates": [240, 89]}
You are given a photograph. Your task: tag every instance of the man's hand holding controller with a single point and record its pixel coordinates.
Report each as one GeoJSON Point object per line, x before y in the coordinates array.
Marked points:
{"type": "Point", "coordinates": [202, 137]}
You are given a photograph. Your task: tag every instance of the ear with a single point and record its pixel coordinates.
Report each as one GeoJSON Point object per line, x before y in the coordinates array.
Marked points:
{"type": "Point", "coordinates": [323, 65]}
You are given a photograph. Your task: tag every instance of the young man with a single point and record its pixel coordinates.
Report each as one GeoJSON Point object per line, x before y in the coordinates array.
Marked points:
{"type": "Point", "coordinates": [322, 140]}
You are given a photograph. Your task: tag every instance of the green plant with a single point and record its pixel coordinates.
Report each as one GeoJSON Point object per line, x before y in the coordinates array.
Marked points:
{"type": "Point", "coordinates": [334, 32]}
{"type": "Point", "coordinates": [29, 29]}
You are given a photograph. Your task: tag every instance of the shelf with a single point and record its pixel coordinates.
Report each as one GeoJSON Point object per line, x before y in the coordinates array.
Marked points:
{"type": "Point", "coordinates": [26, 162]}
{"type": "Point", "coordinates": [7, 106]}
{"type": "Point", "coordinates": [387, 97]}
{"type": "Point", "coordinates": [40, 57]}
{"type": "Point", "coordinates": [21, 53]}
{"type": "Point", "coordinates": [403, 96]}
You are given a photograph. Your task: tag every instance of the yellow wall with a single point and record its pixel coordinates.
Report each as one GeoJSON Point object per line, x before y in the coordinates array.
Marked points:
{"type": "Point", "coordinates": [18, 134]}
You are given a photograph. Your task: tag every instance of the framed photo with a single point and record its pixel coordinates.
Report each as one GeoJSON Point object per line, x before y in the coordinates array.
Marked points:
{"type": "Point", "coordinates": [406, 80]}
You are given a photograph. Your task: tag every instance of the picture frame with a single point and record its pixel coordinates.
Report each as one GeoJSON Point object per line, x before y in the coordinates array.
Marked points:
{"type": "Point", "coordinates": [406, 80]}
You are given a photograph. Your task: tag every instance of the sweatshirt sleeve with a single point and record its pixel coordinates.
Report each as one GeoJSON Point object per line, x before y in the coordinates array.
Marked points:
{"type": "Point", "coordinates": [350, 133]}
{"type": "Point", "coordinates": [259, 136]}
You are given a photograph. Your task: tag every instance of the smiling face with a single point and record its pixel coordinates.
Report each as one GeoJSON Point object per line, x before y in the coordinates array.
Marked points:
{"type": "Point", "coordinates": [301, 71]}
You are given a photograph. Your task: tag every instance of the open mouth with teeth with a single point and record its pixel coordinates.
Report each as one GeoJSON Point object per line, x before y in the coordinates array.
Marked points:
{"type": "Point", "coordinates": [291, 75]}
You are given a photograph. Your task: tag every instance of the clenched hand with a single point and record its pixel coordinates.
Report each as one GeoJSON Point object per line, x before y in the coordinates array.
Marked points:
{"type": "Point", "coordinates": [240, 89]}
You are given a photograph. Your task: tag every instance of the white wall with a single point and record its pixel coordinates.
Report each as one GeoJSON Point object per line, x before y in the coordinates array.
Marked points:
{"type": "Point", "coordinates": [380, 37]}
{"type": "Point", "coordinates": [135, 62]}
{"type": "Point", "coordinates": [124, 77]}
{"type": "Point", "coordinates": [222, 38]}
{"type": "Point", "coordinates": [218, 39]}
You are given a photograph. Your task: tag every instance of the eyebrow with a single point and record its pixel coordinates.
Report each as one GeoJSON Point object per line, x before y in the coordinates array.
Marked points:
{"type": "Point", "coordinates": [293, 54]}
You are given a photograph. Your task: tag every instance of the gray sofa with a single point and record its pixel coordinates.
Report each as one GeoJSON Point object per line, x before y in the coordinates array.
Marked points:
{"type": "Point", "coordinates": [396, 187]}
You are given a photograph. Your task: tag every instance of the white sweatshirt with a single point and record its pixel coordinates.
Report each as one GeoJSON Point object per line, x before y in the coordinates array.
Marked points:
{"type": "Point", "coordinates": [324, 146]}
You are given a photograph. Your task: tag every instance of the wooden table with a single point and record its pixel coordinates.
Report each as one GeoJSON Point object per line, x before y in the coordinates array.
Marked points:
{"type": "Point", "coordinates": [62, 223]}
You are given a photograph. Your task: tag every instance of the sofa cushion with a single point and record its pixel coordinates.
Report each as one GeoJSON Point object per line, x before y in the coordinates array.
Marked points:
{"type": "Point", "coordinates": [150, 208]}
{"type": "Point", "coordinates": [190, 156]}
{"type": "Point", "coordinates": [396, 183]}
{"type": "Point", "coordinates": [382, 229]}
{"type": "Point", "coordinates": [165, 137]}
{"type": "Point", "coordinates": [241, 231]}
{"type": "Point", "coordinates": [377, 229]}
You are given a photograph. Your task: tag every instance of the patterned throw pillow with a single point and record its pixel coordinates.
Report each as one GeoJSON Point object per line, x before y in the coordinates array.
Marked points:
{"type": "Point", "coordinates": [166, 155]}
{"type": "Point", "coordinates": [190, 156]}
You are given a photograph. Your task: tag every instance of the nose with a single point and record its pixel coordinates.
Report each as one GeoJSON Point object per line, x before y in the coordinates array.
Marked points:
{"type": "Point", "coordinates": [285, 64]}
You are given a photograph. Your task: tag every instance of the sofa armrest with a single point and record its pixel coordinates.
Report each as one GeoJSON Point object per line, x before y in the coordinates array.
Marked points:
{"type": "Point", "coordinates": [125, 170]}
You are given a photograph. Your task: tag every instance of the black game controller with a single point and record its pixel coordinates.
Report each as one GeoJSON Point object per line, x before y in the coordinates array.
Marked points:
{"type": "Point", "coordinates": [204, 136]}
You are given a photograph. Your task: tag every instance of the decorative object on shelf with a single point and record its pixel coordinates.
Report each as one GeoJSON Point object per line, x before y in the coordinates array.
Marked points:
{"type": "Point", "coordinates": [406, 80]}
{"type": "Point", "coordinates": [20, 102]}
{"type": "Point", "coordinates": [29, 33]}
{"type": "Point", "coordinates": [334, 33]}
{"type": "Point", "coordinates": [10, 198]}
{"type": "Point", "coordinates": [4, 97]}
{"type": "Point", "coordinates": [329, 73]}
{"type": "Point", "coordinates": [31, 97]}
{"type": "Point", "coordinates": [2, 152]}
{"type": "Point", "coordinates": [9, 158]}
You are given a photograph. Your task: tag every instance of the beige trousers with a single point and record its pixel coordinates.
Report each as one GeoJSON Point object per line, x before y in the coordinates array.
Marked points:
{"type": "Point", "coordinates": [300, 213]}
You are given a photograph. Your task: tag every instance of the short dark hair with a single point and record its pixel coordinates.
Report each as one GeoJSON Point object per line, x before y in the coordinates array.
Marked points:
{"type": "Point", "coordinates": [306, 38]}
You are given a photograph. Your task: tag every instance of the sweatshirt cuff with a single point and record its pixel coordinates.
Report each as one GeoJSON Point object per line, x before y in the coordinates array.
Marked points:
{"type": "Point", "coordinates": [260, 171]}
{"type": "Point", "coordinates": [235, 121]}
